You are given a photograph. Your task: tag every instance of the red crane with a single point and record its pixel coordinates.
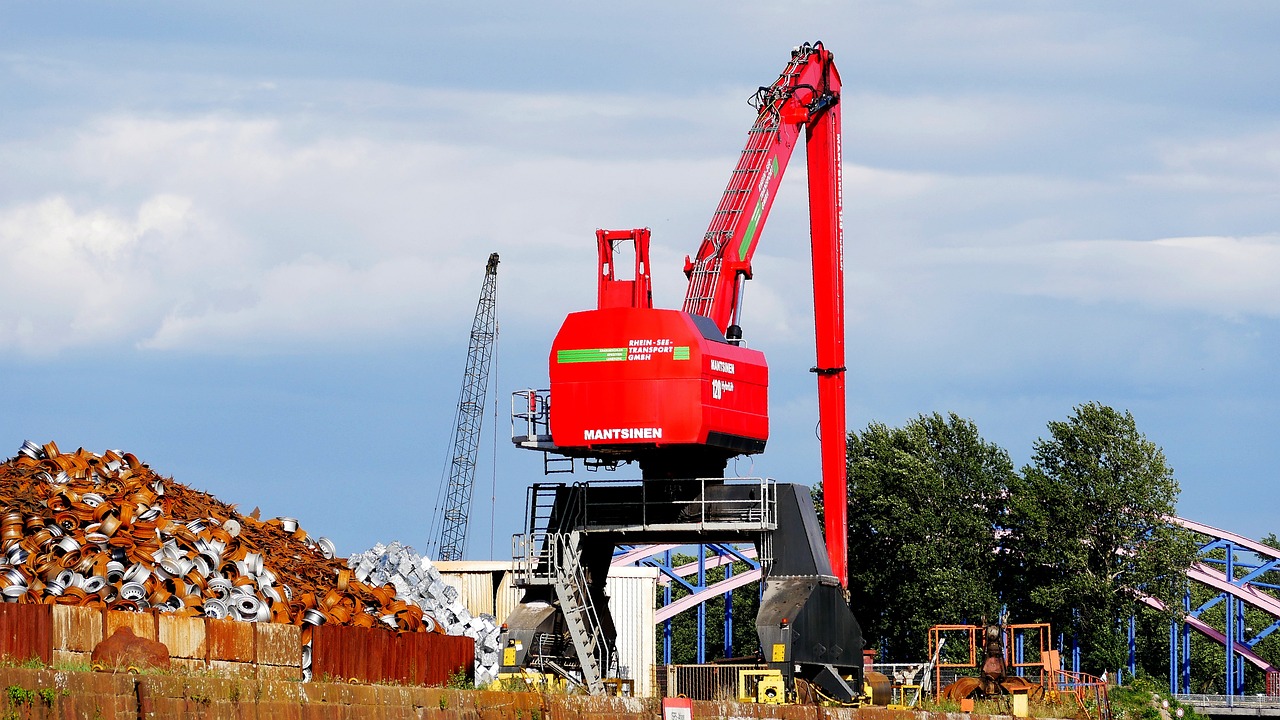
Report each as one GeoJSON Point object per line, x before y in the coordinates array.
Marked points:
{"type": "Point", "coordinates": [676, 390]}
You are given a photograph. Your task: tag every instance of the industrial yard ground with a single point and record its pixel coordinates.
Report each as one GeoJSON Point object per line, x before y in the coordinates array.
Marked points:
{"type": "Point", "coordinates": [45, 694]}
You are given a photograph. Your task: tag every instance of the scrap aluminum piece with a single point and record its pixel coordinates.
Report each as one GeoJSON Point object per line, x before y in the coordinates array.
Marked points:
{"type": "Point", "coordinates": [306, 674]}
{"type": "Point", "coordinates": [288, 524]}
{"type": "Point", "coordinates": [171, 550]}
{"type": "Point", "coordinates": [133, 591]}
{"type": "Point", "coordinates": [254, 562]}
{"type": "Point", "coordinates": [219, 586]}
{"type": "Point", "coordinates": [31, 450]}
{"type": "Point", "coordinates": [313, 617]}
{"type": "Point", "coordinates": [327, 548]}
{"type": "Point", "coordinates": [93, 584]}
{"type": "Point", "coordinates": [13, 592]}
{"type": "Point", "coordinates": [264, 613]}
{"type": "Point", "coordinates": [232, 527]}
{"type": "Point", "coordinates": [202, 565]}
{"type": "Point", "coordinates": [18, 555]}
{"type": "Point", "coordinates": [247, 607]}
{"type": "Point", "coordinates": [151, 513]}
{"type": "Point", "coordinates": [93, 500]}
{"type": "Point", "coordinates": [212, 559]}
{"type": "Point", "coordinates": [137, 573]}
{"type": "Point", "coordinates": [215, 609]}
{"type": "Point", "coordinates": [68, 544]}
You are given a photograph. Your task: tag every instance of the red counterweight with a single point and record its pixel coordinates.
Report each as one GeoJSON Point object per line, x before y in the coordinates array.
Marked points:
{"type": "Point", "coordinates": [631, 382]}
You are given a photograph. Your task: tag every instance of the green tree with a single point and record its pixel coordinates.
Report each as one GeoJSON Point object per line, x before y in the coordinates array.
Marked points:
{"type": "Point", "coordinates": [924, 504]}
{"type": "Point", "coordinates": [1087, 532]}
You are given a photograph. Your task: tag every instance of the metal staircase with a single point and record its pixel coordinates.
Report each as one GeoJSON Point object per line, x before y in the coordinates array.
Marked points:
{"type": "Point", "coordinates": [552, 559]}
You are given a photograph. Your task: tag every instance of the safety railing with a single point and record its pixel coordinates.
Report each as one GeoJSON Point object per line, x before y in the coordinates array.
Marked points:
{"type": "Point", "coordinates": [531, 418]}
{"type": "Point", "coordinates": [704, 682]}
{"type": "Point", "coordinates": [1090, 693]}
{"type": "Point", "coordinates": [1243, 702]}
{"type": "Point", "coordinates": [732, 504]}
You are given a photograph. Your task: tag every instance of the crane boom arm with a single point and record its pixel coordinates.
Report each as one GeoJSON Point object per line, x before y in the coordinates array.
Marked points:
{"type": "Point", "coordinates": [806, 92]}
{"type": "Point", "coordinates": [806, 95]}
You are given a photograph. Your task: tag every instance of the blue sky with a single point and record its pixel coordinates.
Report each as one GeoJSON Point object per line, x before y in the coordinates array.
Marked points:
{"type": "Point", "coordinates": [245, 242]}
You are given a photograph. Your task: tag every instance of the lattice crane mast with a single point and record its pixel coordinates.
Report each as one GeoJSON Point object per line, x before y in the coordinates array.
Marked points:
{"type": "Point", "coordinates": [466, 432]}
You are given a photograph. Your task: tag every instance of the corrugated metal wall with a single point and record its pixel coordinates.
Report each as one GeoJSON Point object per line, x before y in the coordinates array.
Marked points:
{"type": "Point", "coordinates": [475, 590]}
{"type": "Point", "coordinates": [632, 600]}
{"type": "Point", "coordinates": [377, 655]}
{"type": "Point", "coordinates": [26, 632]}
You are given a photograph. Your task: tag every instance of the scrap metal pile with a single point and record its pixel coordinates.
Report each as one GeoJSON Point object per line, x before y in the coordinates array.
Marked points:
{"type": "Point", "coordinates": [106, 531]}
{"type": "Point", "coordinates": [417, 581]}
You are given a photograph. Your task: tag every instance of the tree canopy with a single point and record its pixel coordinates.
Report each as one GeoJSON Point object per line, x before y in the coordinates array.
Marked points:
{"type": "Point", "coordinates": [1087, 531]}
{"type": "Point", "coordinates": [924, 500]}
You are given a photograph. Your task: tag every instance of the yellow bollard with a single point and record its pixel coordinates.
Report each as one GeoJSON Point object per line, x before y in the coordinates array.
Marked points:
{"type": "Point", "coordinates": [1020, 703]}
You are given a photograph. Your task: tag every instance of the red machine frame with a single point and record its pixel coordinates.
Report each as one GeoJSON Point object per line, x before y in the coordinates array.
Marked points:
{"type": "Point", "coordinates": [677, 391]}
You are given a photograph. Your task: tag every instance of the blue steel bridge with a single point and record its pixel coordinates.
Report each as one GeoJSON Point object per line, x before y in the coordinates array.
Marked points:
{"type": "Point", "coordinates": [1239, 572]}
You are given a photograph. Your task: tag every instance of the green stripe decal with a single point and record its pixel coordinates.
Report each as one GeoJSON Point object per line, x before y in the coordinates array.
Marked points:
{"type": "Point", "coordinates": [756, 214]}
{"type": "Point", "coordinates": [591, 355]}
{"type": "Point", "coordinates": [681, 352]}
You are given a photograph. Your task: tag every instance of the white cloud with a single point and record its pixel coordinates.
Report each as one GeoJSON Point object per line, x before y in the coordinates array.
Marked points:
{"type": "Point", "coordinates": [228, 234]}
{"type": "Point", "coordinates": [1224, 276]}
{"type": "Point", "coordinates": [81, 278]}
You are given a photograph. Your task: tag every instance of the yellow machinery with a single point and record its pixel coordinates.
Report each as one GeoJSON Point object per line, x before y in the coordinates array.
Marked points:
{"type": "Point", "coordinates": [762, 686]}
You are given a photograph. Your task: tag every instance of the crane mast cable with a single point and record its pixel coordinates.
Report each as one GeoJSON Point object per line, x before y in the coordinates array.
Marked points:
{"type": "Point", "coordinates": [468, 420]}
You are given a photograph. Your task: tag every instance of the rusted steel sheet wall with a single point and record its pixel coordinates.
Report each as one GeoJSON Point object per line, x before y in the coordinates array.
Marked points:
{"type": "Point", "coordinates": [377, 655]}
{"type": "Point", "coordinates": [185, 637]}
{"type": "Point", "coordinates": [76, 629]}
{"type": "Point", "coordinates": [26, 632]}
{"type": "Point", "coordinates": [229, 640]}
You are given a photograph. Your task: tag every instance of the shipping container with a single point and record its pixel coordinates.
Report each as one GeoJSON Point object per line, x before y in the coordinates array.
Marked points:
{"type": "Point", "coordinates": [143, 624]}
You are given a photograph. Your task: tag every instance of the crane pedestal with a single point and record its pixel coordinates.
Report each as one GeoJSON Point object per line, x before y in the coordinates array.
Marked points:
{"type": "Point", "coordinates": [563, 624]}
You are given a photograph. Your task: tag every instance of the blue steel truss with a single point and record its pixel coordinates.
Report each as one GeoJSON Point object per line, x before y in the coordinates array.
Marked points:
{"type": "Point", "coordinates": [692, 576]}
{"type": "Point", "coordinates": [1236, 567]}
